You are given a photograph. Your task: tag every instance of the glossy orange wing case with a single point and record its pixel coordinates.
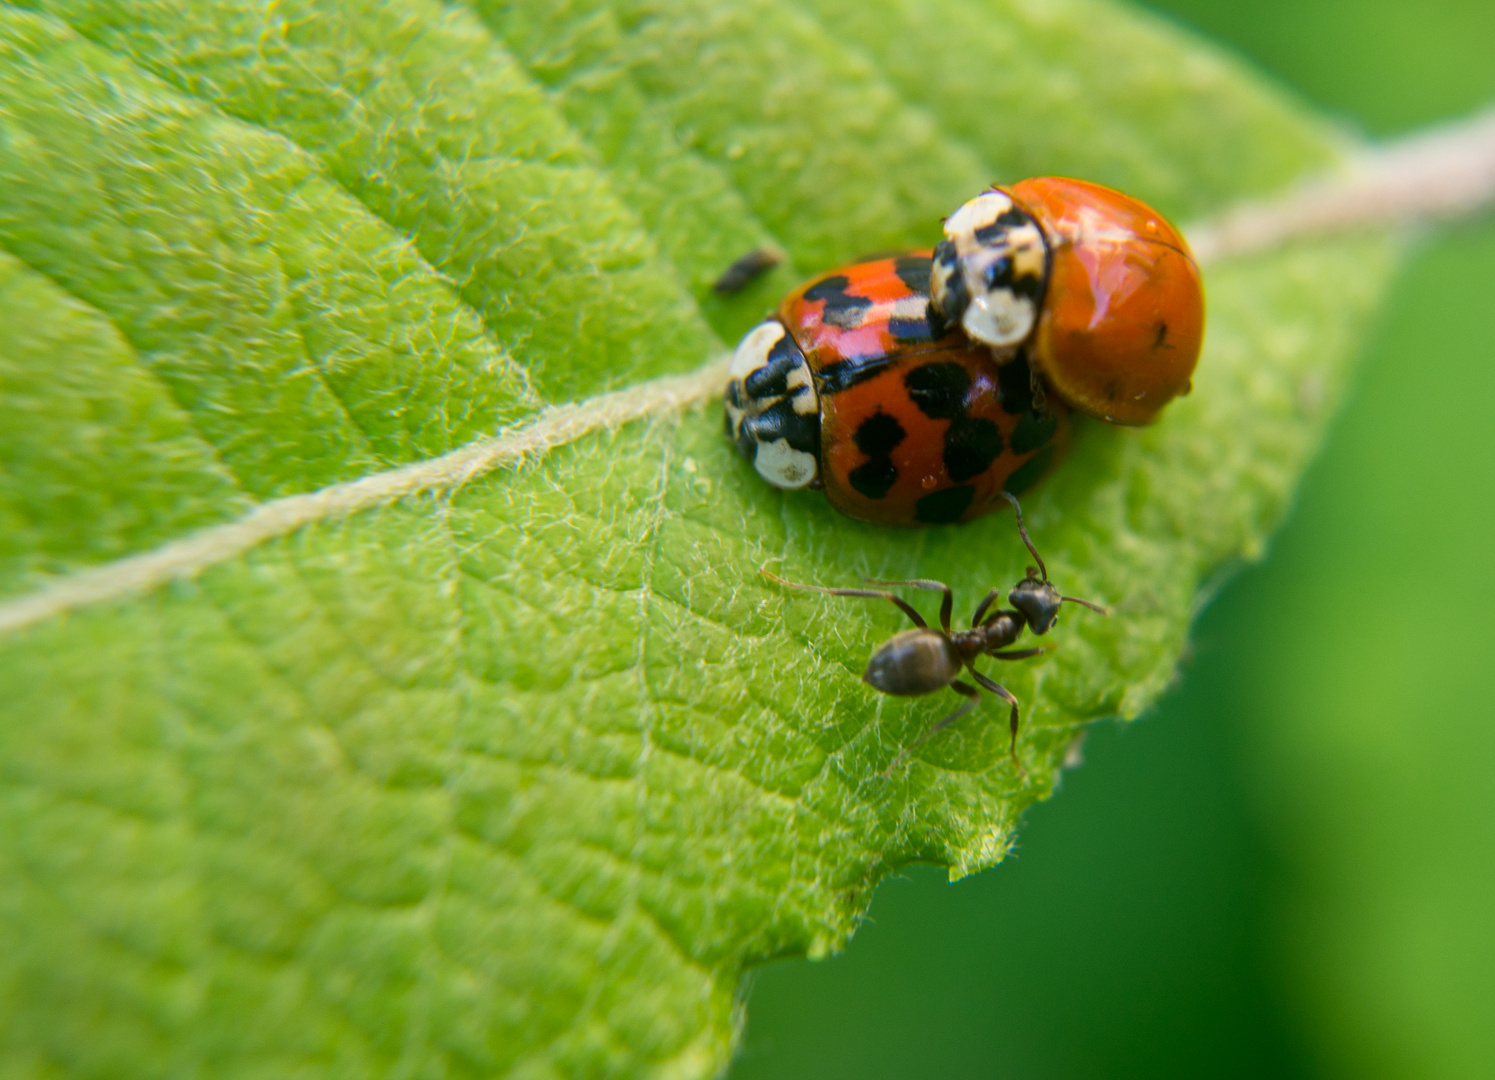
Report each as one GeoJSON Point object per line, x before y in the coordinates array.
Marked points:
{"type": "Point", "coordinates": [918, 427]}
{"type": "Point", "coordinates": [1123, 318]}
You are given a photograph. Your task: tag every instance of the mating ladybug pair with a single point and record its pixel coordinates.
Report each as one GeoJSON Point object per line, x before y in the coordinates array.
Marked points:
{"type": "Point", "coordinates": [916, 389]}
{"type": "Point", "coordinates": [929, 387]}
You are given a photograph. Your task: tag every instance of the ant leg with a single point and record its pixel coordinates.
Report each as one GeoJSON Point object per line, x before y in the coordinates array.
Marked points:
{"type": "Point", "coordinates": [1019, 654]}
{"type": "Point", "coordinates": [946, 605]}
{"type": "Point", "coordinates": [1006, 695]}
{"type": "Point", "coordinates": [960, 688]}
{"type": "Point", "coordinates": [981, 607]}
{"type": "Point", "coordinates": [903, 604]}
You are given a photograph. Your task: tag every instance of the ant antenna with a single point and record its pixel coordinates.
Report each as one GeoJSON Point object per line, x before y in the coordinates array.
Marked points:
{"type": "Point", "coordinates": [1101, 608]}
{"type": "Point", "coordinates": [1010, 497]}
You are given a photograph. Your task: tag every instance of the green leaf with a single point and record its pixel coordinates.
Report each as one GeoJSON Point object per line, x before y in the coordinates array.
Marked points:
{"type": "Point", "coordinates": [519, 774]}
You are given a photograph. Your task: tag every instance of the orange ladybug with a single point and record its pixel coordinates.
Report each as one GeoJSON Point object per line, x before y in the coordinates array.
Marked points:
{"type": "Point", "coordinates": [1097, 288]}
{"type": "Point", "coordinates": [858, 387]}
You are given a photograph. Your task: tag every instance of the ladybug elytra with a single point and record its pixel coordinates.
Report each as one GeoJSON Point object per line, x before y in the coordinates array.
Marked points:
{"type": "Point", "coordinates": [859, 387]}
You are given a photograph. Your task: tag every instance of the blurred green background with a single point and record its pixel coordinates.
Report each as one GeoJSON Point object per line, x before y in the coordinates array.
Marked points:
{"type": "Point", "coordinates": [1288, 868]}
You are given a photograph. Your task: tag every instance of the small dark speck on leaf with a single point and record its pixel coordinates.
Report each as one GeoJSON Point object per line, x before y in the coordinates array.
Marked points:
{"type": "Point", "coordinates": [745, 270]}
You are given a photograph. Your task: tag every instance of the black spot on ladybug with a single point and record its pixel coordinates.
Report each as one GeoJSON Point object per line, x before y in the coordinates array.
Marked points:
{"type": "Point", "coordinates": [844, 374]}
{"type": "Point", "coordinates": [1033, 431]}
{"type": "Point", "coordinates": [938, 327]}
{"type": "Point", "coordinates": [873, 478]}
{"type": "Point", "coordinates": [1029, 286]}
{"type": "Point", "coordinates": [835, 285]}
{"type": "Point", "coordinates": [914, 271]}
{"type": "Point", "coordinates": [771, 380]}
{"type": "Point", "coordinates": [912, 330]}
{"type": "Point", "coordinates": [841, 309]}
{"type": "Point", "coordinates": [1029, 472]}
{"type": "Point", "coordinates": [733, 396]}
{"type": "Point", "coordinates": [939, 389]}
{"type": "Point", "coordinates": [1015, 385]}
{"type": "Point", "coordinates": [877, 435]}
{"type": "Point", "coordinates": [780, 421]}
{"type": "Point", "coordinates": [785, 346]}
{"type": "Point", "coordinates": [944, 507]}
{"type": "Point", "coordinates": [953, 297]}
{"type": "Point", "coordinates": [1010, 218]}
{"type": "Point", "coordinates": [999, 274]}
{"type": "Point", "coordinates": [1162, 338]}
{"type": "Point", "coordinates": [971, 445]}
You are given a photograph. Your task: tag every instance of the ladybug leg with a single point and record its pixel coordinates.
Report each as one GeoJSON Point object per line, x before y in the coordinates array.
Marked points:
{"type": "Point", "coordinates": [1006, 695]}
{"type": "Point", "coordinates": [870, 594]}
{"type": "Point", "coordinates": [960, 688]}
{"type": "Point", "coordinates": [1040, 393]}
{"type": "Point", "coordinates": [946, 605]}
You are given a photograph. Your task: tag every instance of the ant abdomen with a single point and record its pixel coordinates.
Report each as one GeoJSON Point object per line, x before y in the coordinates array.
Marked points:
{"type": "Point", "coordinates": [913, 663]}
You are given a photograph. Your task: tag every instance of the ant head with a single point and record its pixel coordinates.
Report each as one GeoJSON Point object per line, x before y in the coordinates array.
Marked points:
{"type": "Point", "coordinates": [1037, 601]}
{"type": "Point", "coordinates": [1034, 597]}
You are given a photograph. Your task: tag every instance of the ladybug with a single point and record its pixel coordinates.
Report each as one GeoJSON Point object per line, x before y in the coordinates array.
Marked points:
{"type": "Point", "coordinates": [1097, 288]}
{"type": "Point", "coordinates": [859, 387]}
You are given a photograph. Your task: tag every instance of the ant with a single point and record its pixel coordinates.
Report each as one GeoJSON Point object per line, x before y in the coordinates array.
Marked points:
{"type": "Point", "coordinates": [921, 661]}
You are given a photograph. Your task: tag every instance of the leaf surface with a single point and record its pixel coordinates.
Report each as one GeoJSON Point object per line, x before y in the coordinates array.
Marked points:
{"type": "Point", "coordinates": [517, 776]}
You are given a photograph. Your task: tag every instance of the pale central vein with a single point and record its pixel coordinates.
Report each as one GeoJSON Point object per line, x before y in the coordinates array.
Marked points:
{"type": "Point", "coordinates": [1444, 173]}
{"type": "Point", "coordinates": [183, 558]}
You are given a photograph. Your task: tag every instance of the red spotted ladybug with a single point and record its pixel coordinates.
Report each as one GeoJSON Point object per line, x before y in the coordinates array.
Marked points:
{"type": "Point", "coordinates": [1098, 289]}
{"type": "Point", "coordinates": [858, 386]}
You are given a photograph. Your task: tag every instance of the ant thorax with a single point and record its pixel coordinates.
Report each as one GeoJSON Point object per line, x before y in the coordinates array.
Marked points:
{"type": "Point", "coordinates": [999, 630]}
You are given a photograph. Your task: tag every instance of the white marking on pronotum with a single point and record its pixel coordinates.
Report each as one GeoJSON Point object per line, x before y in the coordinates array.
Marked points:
{"type": "Point", "coordinates": [752, 352]}
{"type": "Point", "coordinates": [783, 466]}
{"type": "Point", "coordinates": [977, 213]}
{"type": "Point", "coordinates": [1445, 173]}
{"type": "Point", "coordinates": [802, 390]}
{"type": "Point", "coordinates": [999, 317]}
{"type": "Point", "coordinates": [196, 552]}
